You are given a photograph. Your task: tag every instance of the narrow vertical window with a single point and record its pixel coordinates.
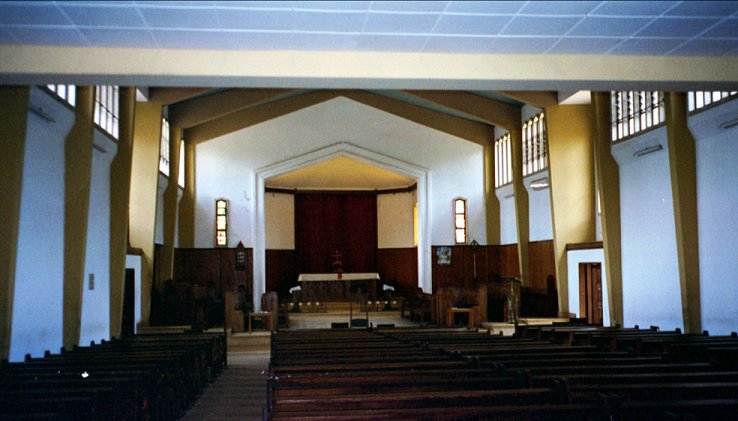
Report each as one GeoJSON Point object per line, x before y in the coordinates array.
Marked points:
{"type": "Point", "coordinates": [181, 176]}
{"type": "Point", "coordinates": [535, 155]}
{"type": "Point", "coordinates": [65, 92]}
{"type": "Point", "coordinates": [107, 109]}
{"type": "Point", "coordinates": [460, 220]}
{"type": "Point", "coordinates": [702, 99]}
{"type": "Point", "coordinates": [503, 168]}
{"type": "Point", "coordinates": [634, 112]}
{"type": "Point", "coordinates": [221, 223]}
{"type": "Point", "coordinates": [164, 147]}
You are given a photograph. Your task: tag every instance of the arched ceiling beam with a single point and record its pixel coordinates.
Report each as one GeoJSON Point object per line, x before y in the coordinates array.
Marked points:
{"type": "Point", "coordinates": [254, 115]}
{"type": "Point", "coordinates": [540, 99]}
{"type": "Point", "coordinates": [199, 110]}
{"type": "Point", "coordinates": [168, 96]}
{"type": "Point", "coordinates": [493, 112]}
{"type": "Point", "coordinates": [466, 129]}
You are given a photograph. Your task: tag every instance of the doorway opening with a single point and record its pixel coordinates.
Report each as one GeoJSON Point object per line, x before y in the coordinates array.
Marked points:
{"type": "Point", "coordinates": [590, 292]}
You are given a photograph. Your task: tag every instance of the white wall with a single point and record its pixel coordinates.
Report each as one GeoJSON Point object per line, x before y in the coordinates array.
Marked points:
{"type": "Point", "coordinates": [508, 218]}
{"type": "Point", "coordinates": [39, 287]}
{"type": "Point", "coordinates": [279, 221]}
{"type": "Point", "coordinates": [96, 302]}
{"type": "Point", "coordinates": [395, 220]}
{"type": "Point", "coordinates": [39, 281]}
{"type": "Point", "coordinates": [717, 203]}
{"type": "Point", "coordinates": [226, 165]}
{"type": "Point", "coordinates": [573, 259]}
{"type": "Point", "coordinates": [651, 292]}
{"type": "Point", "coordinates": [539, 208]}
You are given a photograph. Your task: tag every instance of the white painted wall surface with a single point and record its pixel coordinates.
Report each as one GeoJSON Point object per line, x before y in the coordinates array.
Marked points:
{"type": "Point", "coordinates": [539, 208]}
{"type": "Point", "coordinates": [649, 262]}
{"type": "Point", "coordinates": [279, 221]}
{"type": "Point", "coordinates": [573, 259]}
{"type": "Point", "coordinates": [717, 206]}
{"type": "Point", "coordinates": [39, 282]}
{"type": "Point", "coordinates": [508, 218]}
{"type": "Point", "coordinates": [395, 220]}
{"type": "Point", "coordinates": [96, 302]}
{"type": "Point", "coordinates": [226, 165]}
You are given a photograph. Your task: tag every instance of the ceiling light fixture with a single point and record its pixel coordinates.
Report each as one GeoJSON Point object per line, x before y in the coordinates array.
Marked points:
{"type": "Point", "coordinates": [540, 184]}
{"type": "Point", "coordinates": [648, 150]}
{"type": "Point", "coordinates": [729, 123]}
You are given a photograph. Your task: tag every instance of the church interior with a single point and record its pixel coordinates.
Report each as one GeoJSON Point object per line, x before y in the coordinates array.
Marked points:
{"type": "Point", "coordinates": [318, 210]}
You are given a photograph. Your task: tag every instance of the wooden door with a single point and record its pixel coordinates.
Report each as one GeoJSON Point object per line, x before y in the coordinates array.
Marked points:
{"type": "Point", "coordinates": [590, 292]}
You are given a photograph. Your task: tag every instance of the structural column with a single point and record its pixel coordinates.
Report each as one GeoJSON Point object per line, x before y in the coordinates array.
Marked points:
{"type": "Point", "coordinates": [683, 167]}
{"type": "Point", "coordinates": [77, 175]}
{"type": "Point", "coordinates": [608, 184]}
{"type": "Point", "coordinates": [171, 203]}
{"type": "Point", "coordinates": [120, 193]}
{"type": "Point", "coordinates": [570, 131]}
{"type": "Point", "coordinates": [144, 183]}
{"type": "Point", "coordinates": [491, 202]}
{"type": "Point", "coordinates": [13, 123]}
{"type": "Point", "coordinates": [521, 203]}
{"type": "Point", "coordinates": [186, 215]}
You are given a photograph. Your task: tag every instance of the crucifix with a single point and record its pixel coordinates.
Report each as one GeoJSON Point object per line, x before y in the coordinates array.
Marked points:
{"type": "Point", "coordinates": [337, 256]}
{"type": "Point", "coordinates": [337, 265]}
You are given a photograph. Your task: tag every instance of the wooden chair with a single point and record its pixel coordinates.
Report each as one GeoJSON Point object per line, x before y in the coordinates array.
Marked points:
{"type": "Point", "coordinates": [234, 319]}
{"type": "Point", "coordinates": [270, 304]}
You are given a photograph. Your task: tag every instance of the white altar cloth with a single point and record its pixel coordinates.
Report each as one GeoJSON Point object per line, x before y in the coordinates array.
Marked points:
{"type": "Point", "coordinates": [308, 277]}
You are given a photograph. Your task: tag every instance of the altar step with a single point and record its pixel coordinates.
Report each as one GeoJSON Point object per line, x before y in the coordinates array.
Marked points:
{"type": "Point", "coordinates": [343, 307]}
{"type": "Point", "coordinates": [256, 341]}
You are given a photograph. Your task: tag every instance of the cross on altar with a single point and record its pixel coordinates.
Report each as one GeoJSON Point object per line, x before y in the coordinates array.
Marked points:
{"type": "Point", "coordinates": [337, 264]}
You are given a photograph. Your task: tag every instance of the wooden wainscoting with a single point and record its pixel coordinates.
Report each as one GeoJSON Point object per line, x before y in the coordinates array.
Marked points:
{"type": "Point", "coordinates": [399, 268]}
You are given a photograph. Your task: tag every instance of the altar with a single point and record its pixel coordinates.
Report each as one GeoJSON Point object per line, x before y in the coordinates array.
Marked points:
{"type": "Point", "coordinates": [337, 286]}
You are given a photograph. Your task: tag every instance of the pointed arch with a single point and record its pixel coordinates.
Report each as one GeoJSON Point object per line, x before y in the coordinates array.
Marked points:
{"type": "Point", "coordinates": [420, 174]}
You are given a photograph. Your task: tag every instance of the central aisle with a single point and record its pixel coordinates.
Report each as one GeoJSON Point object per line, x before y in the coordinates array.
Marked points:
{"type": "Point", "coordinates": [239, 393]}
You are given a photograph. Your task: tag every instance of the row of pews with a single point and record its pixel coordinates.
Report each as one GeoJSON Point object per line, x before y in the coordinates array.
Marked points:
{"type": "Point", "coordinates": [144, 377]}
{"type": "Point", "coordinates": [542, 373]}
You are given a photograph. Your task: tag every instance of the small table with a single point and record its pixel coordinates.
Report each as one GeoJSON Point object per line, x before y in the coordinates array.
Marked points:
{"type": "Point", "coordinates": [452, 311]}
{"type": "Point", "coordinates": [263, 316]}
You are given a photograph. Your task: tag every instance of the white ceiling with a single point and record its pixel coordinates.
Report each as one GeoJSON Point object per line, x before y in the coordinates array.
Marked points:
{"type": "Point", "coordinates": [656, 28]}
{"type": "Point", "coordinates": [266, 44]}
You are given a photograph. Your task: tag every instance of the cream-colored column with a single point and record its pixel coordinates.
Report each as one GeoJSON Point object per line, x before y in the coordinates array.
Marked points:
{"type": "Point", "coordinates": [491, 202]}
{"type": "Point", "coordinates": [608, 184]}
{"type": "Point", "coordinates": [570, 130]}
{"type": "Point", "coordinates": [171, 204]}
{"type": "Point", "coordinates": [13, 123]}
{"type": "Point", "coordinates": [120, 194]}
{"type": "Point", "coordinates": [521, 203]}
{"type": "Point", "coordinates": [144, 182]}
{"type": "Point", "coordinates": [77, 175]}
{"type": "Point", "coordinates": [187, 203]}
{"type": "Point", "coordinates": [683, 167]}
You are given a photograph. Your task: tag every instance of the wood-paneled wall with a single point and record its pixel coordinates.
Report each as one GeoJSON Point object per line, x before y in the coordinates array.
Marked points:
{"type": "Point", "coordinates": [216, 266]}
{"type": "Point", "coordinates": [281, 271]}
{"type": "Point", "coordinates": [399, 267]}
{"type": "Point", "coordinates": [542, 263]}
{"type": "Point", "coordinates": [493, 261]}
